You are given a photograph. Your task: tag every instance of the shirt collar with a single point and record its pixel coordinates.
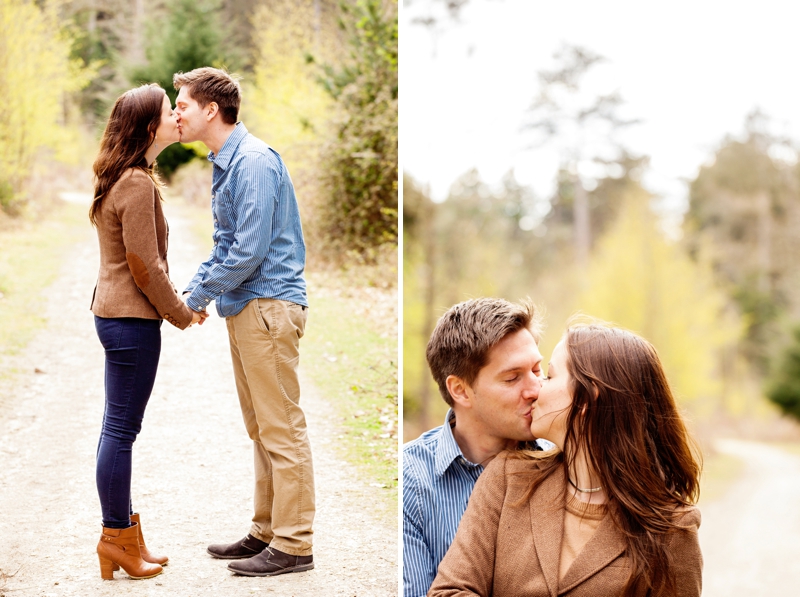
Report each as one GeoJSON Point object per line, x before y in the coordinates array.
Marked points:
{"type": "Point", "coordinates": [447, 449]}
{"type": "Point", "coordinates": [229, 148]}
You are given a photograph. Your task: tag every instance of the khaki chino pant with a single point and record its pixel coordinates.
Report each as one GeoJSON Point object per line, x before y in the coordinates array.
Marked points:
{"type": "Point", "coordinates": [265, 340]}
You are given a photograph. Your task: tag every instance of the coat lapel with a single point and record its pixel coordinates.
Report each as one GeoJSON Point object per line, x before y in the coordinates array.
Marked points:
{"type": "Point", "coordinates": [547, 518]}
{"type": "Point", "coordinates": [604, 547]}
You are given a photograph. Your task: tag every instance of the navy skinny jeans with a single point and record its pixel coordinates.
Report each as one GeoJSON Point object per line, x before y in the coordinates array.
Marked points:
{"type": "Point", "coordinates": [132, 348]}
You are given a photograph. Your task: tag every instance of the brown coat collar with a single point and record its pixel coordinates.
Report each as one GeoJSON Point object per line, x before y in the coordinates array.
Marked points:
{"type": "Point", "coordinates": [547, 525]}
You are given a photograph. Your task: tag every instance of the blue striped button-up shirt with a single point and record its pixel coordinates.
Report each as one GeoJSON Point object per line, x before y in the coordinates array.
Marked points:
{"type": "Point", "coordinates": [259, 250]}
{"type": "Point", "coordinates": [437, 483]}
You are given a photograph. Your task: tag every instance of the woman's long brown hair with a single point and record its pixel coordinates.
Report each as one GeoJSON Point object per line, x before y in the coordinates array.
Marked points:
{"type": "Point", "coordinates": [624, 418]}
{"type": "Point", "coordinates": [130, 130]}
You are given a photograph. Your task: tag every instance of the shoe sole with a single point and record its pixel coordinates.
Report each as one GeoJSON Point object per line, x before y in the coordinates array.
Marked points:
{"type": "Point", "coordinates": [242, 557]}
{"type": "Point", "coordinates": [302, 568]}
{"type": "Point", "coordinates": [145, 577]}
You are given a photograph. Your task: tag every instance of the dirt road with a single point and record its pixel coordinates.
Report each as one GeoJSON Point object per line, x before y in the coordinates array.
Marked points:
{"type": "Point", "coordinates": [192, 478]}
{"type": "Point", "coordinates": [750, 537]}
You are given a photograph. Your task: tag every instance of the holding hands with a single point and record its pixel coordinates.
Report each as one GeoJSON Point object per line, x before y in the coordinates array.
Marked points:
{"type": "Point", "coordinates": [198, 317]}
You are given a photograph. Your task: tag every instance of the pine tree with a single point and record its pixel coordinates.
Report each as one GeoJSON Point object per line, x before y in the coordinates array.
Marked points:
{"type": "Point", "coordinates": [784, 387]}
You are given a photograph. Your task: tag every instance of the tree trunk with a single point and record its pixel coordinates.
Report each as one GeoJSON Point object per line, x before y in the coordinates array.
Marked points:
{"type": "Point", "coordinates": [581, 221]}
{"type": "Point", "coordinates": [429, 274]}
{"type": "Point", "coordinates": [136, 51]}
{"type": "Point", "coordinates": [764, 234]}
{"type": "Point", "coordinates": [92, 24]}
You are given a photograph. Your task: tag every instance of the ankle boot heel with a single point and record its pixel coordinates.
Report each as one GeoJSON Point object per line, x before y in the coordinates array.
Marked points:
{"type": "Point", "coordinates": [119, 548]}
{"type": "Point", "coordinates": [107, 568]}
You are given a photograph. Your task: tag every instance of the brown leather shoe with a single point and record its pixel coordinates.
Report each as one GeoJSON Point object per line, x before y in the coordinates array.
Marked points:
{"type": "Point", "coordinates": [121, 547]}
{"type": "Point", "coordinates": [272, 562]}
{"type": "Point", "coordinates": [147, 556]}
{"type": "Point", "coordinates": [240, 550]}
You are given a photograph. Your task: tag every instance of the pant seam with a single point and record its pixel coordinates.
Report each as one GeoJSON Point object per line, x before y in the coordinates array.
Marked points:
{"type": "Point", "coordinates": [285, 398]}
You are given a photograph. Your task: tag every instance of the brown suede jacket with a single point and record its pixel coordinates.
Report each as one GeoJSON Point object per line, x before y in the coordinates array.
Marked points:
{"type": "Point", "coordinates": [134, 275]}
{"type": "Point", "coordinates": [510, 547]}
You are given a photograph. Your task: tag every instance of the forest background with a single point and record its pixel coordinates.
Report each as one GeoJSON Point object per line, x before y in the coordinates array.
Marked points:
{"type": "Point", "coordinates": [712, 279]}
{"type": "Point", "coordinates": [319, 81]}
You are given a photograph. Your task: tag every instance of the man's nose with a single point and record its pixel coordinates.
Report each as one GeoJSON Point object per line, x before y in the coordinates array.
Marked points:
{"type": "Point", "coordinates": [532, 387]}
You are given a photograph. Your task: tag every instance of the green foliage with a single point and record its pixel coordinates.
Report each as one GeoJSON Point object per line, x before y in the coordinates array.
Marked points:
{"type": "Point", "coordinates": [190, 35]}
{"type": "Point", "coordinates": [503, 241]}
{"type": "Point", "coordinates": [361, 160]}
{"type": "Point", "coordinates": [355, 366]}
{"type": "Point", "coordinates": [604, 204]}
{"type": "Point", "coordinates": [783, 388]}
{"type": "Point", "coordinates": [479, 242]}
{"type": "Point", "coordinates": [36, 76]}
{"type": "Point", "coordinates": [8, 198]}
{"type": "Point", "coordinates": [99, 45]}
{"type": "Point", "coordinates": [641, 281]}
{"type": "Point", "coordinates": [743, 210]}
{"type": "Point", "coordinates": [283, 101]}
{"type": "Point", "coordinates": [419, 256]}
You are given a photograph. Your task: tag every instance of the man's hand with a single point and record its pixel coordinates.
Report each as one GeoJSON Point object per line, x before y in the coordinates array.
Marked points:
{"type": "Point", "coordinates": [198, 317]}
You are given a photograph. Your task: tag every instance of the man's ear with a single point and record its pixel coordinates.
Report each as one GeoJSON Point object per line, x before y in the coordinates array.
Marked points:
{"type": "Point", "coordinates": [211, 110]}
{"type": "Point", "coordinates": [460, 391]}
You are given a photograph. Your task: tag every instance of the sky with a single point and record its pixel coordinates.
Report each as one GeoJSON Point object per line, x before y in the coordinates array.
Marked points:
{"type": "Point", "coordinates": [690, 72]}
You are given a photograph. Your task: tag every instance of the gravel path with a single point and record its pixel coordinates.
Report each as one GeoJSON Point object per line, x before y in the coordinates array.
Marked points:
{"type": "Point", "coordinates": [192, 464]}
{"type": "Point", "coordinates": [750, 537]}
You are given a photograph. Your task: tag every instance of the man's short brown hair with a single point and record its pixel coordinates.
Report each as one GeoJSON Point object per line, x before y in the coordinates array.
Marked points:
{"type": "Point", "coordinates": [464, 335]}
{"type": "Point", "coordinates": [208, 85]}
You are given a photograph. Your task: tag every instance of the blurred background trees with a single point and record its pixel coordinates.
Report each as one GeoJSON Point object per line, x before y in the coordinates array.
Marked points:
{"type": "Point", "coordinates": [34, 86]}
{"type": "Point", "coordinates": [361, 159]}
{"type": "Point", "coordinates": [319, 80]}
{"type": "Point", "coordinates": [719, 297]}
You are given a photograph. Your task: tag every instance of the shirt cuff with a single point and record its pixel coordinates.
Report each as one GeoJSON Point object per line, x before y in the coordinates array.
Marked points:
{"type": "Point", "coordinates": [197, 301]}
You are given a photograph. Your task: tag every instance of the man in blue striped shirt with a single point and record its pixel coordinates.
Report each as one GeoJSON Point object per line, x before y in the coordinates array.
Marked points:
{"type": "Point", "coordinates": [255, 275]}
{"type": "Point", "coordinates": [485, 359]}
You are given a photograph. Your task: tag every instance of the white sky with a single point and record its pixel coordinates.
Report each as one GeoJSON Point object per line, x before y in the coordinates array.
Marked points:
{"type": "Point", "coordinates": [691, 71]}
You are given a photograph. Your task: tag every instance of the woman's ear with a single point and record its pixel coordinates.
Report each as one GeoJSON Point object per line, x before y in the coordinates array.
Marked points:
{"type": "Point", "coordinates": [459, 390]}
{"type": "Point", "coordinates": [595, 393]}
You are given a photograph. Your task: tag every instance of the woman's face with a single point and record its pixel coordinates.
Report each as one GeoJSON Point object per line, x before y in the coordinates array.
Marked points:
{"type": "Point", "coordinates": [167, 132]}
{"type": "Point", "coordinates": [550, 409]}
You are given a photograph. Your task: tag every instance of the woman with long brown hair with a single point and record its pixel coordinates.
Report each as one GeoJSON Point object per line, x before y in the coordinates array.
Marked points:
{"type": "Point", "coordinates": [610, 510]}
{"type": "Point", "coordinates": [133, 296]}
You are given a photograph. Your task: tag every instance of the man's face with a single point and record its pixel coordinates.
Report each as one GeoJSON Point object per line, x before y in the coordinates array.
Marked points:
{"type": "Point", "coordinates": [191, 117]}
{"type": "Point", "coordinates": [506, 387]}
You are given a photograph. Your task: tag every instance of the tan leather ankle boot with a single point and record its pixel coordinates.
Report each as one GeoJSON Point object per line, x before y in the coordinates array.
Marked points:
{"type": "Point", "coordinates": [147, 556]}
{"type": "Point", "coordinates": [121, 547]}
